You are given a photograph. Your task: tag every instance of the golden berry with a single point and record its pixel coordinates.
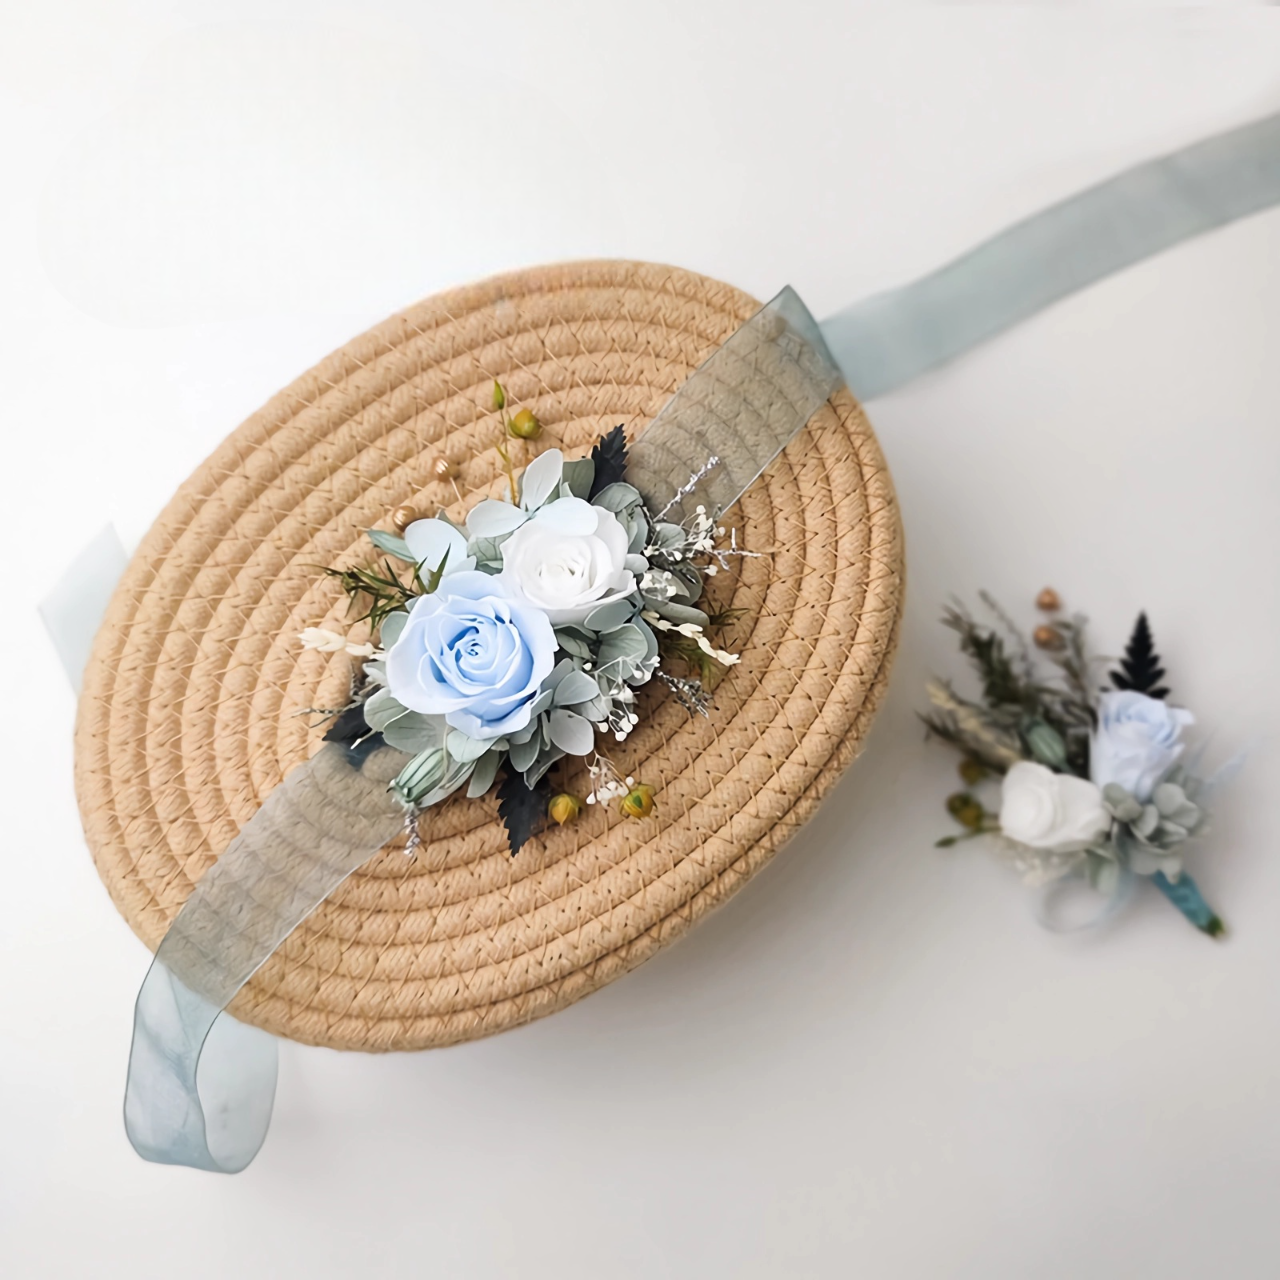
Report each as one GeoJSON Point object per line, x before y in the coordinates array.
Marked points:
{"type": "Point", "coordinates": [1048, 600]}
{"type": "Point", "coordinates": [638, 802]}
{"type": "Point", "coordinates": [563, 808]}
{"type": "Point", "coordinates": [972, 771]}
{"type": "Point", "coordinates": [965, 810]}
{"type": "Point", "coordinates": [402, 518]}
{"type": "Point", "coordinates": [524, 426]}
{"type": "Point", "coordinates": [443, 469]}
{"type": "Point", "coordinates": [1047, 637]}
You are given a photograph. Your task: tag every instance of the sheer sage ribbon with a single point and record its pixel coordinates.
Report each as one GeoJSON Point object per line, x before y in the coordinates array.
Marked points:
{"type": "Point", "coordinates": [201, 1086]}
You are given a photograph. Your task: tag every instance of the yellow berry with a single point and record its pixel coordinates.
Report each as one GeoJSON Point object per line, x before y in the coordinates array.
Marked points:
{"type": "Point", "coordinates": [638, 802]}
{"type": "Point", "coordinates": [524, 426]}
{"type": "Point", "coordinates": [564, 808]}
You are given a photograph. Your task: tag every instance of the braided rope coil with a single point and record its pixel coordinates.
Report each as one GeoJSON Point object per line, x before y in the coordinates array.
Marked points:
{"type": "Point", "coordinates": [193, 704]}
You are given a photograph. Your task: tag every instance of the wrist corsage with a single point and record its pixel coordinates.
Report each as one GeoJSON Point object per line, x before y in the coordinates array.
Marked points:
{"type": "Point", "coordinates": [510, 643]}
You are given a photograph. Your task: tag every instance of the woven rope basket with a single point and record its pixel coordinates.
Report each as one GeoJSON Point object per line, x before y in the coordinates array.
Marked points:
{"type": "Point", "coordinates": [194, 703]}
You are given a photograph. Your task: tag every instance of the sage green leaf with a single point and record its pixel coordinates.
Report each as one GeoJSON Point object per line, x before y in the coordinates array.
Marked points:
{"type": "Point", "coordinates": [571, 733]}
{"type": "Point", "coordinates": [577, 686]}
{"type": "Point", "coordinates": [622, 650]}
{"type": "Point", "coordinates": [484, 773]}
{"type": "Point", "coordinates": [523, 754]}
{"type": "Point", "coordinates": [1174, 806]}
{"type": "Point", "coordinates": [558, 673]}
{"type": "Point", "coordinates": [594, 709]}
{"type": "Point", "coordinates": [466, 750]}
{"type": "Point", "coordinates": [392, 626]}
{"type": "Point", "coordinates": [574, 644]}
{"type": "Point", "coordinates": [454, 777]}
{"type": "Point", "coordinates": [415, 732]}
{"type": "Point", "coordinates": [381, 709]}
{"type": "Point", "coordinates": [392, 544]}
{"type": "Point", "coordinates": [617, 497]}
{"type": "Point", "coordinates": [609, 617]}
{"type": "Point", "coordinates": [577, 477]}
{"type": "Point", "coordinates": [533, 775]}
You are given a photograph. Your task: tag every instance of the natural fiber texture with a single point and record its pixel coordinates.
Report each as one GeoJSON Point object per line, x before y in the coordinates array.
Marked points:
{"type": "Point", "coordinates": [191, 707]}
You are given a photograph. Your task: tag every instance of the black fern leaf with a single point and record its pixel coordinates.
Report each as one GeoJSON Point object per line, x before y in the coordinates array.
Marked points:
{"type": "Point", "coordinates": [523, 809]}
{"type": "Point", "coordinates": [1140, 669]}
{"type": "Point", "coordinates": [610, 457]}
{"type": "Point", "coordinates": [351, 730]}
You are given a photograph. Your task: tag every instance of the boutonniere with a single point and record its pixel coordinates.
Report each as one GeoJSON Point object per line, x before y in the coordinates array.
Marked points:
{"type": "Point", "coordinates": [1067, 777]}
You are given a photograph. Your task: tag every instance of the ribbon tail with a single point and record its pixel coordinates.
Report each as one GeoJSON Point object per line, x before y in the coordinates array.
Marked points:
{"type": "Point", "coordinates": [201, 1085]}
{"type": "Point", "coordinates": [892, 338]}
{"type": "Point", "coordinates": [1186, 896]}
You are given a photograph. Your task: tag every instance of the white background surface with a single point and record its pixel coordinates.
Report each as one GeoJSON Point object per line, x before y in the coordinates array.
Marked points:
{"type": "Point", "coordinates": [873, 1062]}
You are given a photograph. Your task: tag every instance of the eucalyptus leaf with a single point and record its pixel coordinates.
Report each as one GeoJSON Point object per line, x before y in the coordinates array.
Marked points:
{"type": "Point", "coordinates": [595, 710]}
{"type": "Point", "coordinates": [577, 686]}
{"type": "Point", "coordinates": [541, 703]}
{"type": "Point", "coordinates": [617, 497]}
{"type": "Point", "coordinates": [574, 645]}
{"type": "Point", "coordinates": [456, 775]}
{"type": "Point", "coordinates": [609, 617]}
{"type": "Point", "coordinates": [484, 773]}
{"type": "Point", "coordinates": [381, 710]}
{"type": "Point", "coordinates": [523, 754]}
{"type": "Point", "coordinates": [533, 775]}
{"type": "Point", "coordinates": [392, 626]}
{"type": "Point", "coordinates": [558, 673]}
{"type": "Point", "coordinates": [577, 477]}
{"type": "Point", "coordinates": [465, 750]}
{"type": "Point", "coordinates": [415, 732]}
{"type": "Point", "coordinates": [572, 733]}
{"type": "Point", "coordinates": [667, 537]}
{"type": "Point", "coordinates": [638, 530]}
{"type": "Point", "coordinates": [392, 544]}
{"type": "Point", "coordinates": [622, 651]}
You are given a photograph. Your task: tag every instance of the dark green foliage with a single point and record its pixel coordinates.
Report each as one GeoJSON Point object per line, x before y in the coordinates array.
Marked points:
{"type": "Point", "coordinates": [351, 730]}
{"type": "Point", "coordinates": [1140, 668]}
{"type": "Point", "coordinates": [610, 457]}
{"type": "Point", "coordinates": [523, 809]}
{"type": "Point", "coordinates": [1015, 702]}
{"type": "Point", "coordinates": [384, 592]}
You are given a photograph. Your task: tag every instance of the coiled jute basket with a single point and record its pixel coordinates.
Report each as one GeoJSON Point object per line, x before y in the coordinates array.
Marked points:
{"type": "Point", "coordinates": [195, 701]}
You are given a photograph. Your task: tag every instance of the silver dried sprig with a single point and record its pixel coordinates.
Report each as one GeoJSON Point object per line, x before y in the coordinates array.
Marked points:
{"type": "Point", "coordinates": [688, 693]}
